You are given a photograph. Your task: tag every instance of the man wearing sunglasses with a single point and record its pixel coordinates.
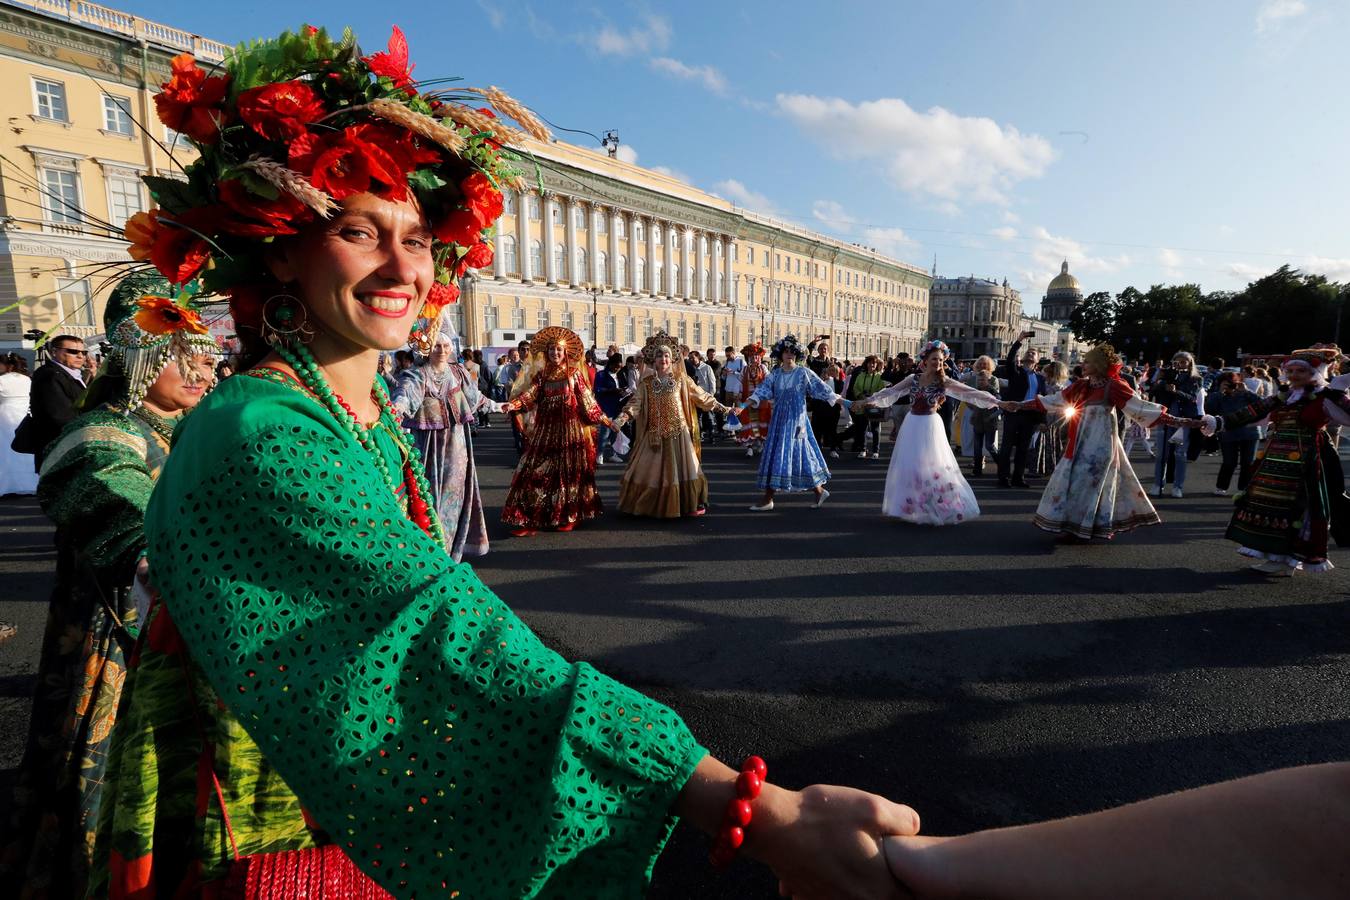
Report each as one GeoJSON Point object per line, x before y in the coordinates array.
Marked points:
{"type": "Point", "coordinates": [57, 384]}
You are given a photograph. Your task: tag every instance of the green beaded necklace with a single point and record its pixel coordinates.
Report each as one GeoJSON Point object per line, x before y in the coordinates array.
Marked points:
{"type": "Point", "coordinates": [298, 357]}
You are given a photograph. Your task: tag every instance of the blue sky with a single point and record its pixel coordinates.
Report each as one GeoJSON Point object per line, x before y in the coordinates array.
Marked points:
{"type": "Point", "coordinates": [1147, 142]}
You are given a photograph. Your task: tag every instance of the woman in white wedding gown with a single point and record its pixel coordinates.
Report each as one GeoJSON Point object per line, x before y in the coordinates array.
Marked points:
{"type": "Point", "coordinates": [924, 484]}
{"type": "Point", "coordinates": [16, 469]}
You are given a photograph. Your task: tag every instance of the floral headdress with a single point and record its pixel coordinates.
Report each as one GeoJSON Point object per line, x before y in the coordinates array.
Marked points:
{"type": "Point", "coordinates": [934, 346]}
{"type": "Point", "coordinates": [790, 344]}
{"type": "Point", "coordinates": [658, 342]}
{"type": "Point", "coordinates": [293, 125]}
{"type": "Point", "coordinates": [755, 349]}
{"type": "Point", "coordinates": [149, 328]}
{"type": "Point", "coordinates": [1106, 359]}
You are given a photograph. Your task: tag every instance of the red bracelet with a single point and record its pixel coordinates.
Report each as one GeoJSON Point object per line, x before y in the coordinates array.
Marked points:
{"type": "Point", "coordinates": [738, 813]}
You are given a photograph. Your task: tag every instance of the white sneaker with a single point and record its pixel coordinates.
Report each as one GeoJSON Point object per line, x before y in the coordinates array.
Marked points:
{"type": "Point", "coordinates": [749, 452]}
{"type": "Point", "coordinates": [1221, 492]}
{"type": "Point", "coordinates": [1176, 492]}
{"type": "Point", "coordinates": [599, 462]}
{"type": "Point", "coordinates": [862, 455]}
{"type": "Point", "coordinates": [834, 454]}
{"type": "Point", "coordinates": [876, 455]}
{"type": "Point", "coordinates": [820, 501]}
{"type": "Point", "coordinates": [1157, 490]}
{"type": "Point", "coordinates": [762, 507]}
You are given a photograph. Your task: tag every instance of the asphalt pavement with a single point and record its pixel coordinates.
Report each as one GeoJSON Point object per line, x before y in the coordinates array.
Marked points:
{"type": "Point", "coordinates": [981, 672]}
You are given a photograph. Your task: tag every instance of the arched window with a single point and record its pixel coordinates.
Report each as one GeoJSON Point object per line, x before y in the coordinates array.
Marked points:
{"type": "Point", "coordinates": [578, 216]}
{"type": "Point", "coordinates": [602, 259]}
{"type": "Point", "coordinates": [536, 259]}
{"type": "Point", "coordinates": [581, 270]}
{"type": "Point", "coordinates": [623, 272]}
{"type": "Point", "coordinates": [509, 203]}
{"type": "Point", "coordinates": [660, 275]}
{"type": "Point", "coordinates": [560, 261]}
{"type": "Point", "coordinates": [675, 274]}
{"type": "Point", "coordinates": [641, 282]}
{"type": "Point", "coordinates": [722, 286]}
{"type": "Point", "coordinates": [707, 285]}
{"type": "Point", "coordinates": [533, 207]}
{"type": "Point", "coordinates": [508, 251]}
{"type": "Point", "coordinates": [623, 228]}
{"type": "Point", "coordinates": [656, 233]}
{"type": "Point", "coordinates": [639, 231]}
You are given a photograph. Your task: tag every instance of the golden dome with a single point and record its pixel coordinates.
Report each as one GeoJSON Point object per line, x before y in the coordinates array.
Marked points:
{"type": "Point", "coordinates": [1064, 281]}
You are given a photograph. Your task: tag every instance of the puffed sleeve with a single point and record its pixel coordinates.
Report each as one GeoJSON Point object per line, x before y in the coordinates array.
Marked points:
{"type": "Point", "coordinates": [888, 396]}
{"type": "Point", "coordinates": [420, 722]}
{"type": "Point", "coordinates": [409, 393]}
{"type": "Point", "coordinates": [525, 400]}
{"type": "Point", "coordinates": [817, 389]}
{"type": "Point", "coordinates": [765, 390]}
{"type": "Point", "coordinates": [94, 487]}
{"type": "Point", "coordinates": [589, 411]}
{"type": "Point", "coordinates": [974, 396]}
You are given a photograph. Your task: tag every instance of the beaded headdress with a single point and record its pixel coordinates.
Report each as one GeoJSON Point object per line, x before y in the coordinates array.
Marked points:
{"type": "Point", "coordinates": [658, 342]}
{"type": "Point", "coordinates": [556, 334]}
{"type": "Point", "coordinates": [148, 330]}
{"type": "Point", "coordinates": [791, 345]}
{"type": "Point", "coordinates": [288, 127]}
{"type": "Point", "coordinates": [934, 346]}
{"type": "Point", "coordinates": [1319, 359]}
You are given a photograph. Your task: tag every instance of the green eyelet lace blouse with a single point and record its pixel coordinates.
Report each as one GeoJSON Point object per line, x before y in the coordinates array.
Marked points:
{"type": "Point", "coordinates": [421, 725]}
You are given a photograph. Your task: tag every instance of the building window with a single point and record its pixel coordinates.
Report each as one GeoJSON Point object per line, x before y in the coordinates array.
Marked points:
{"type": "Point", "coordinates": [629, 330]}
{"type": "Point", "coordinates": [541, 319]}
{"type": "Point", "coordinates": [578, 216]}
{"type": "Point", "coordinates": [639, 231]}
{"type": "Point", "coordinates": [554, 214]}
{"type": "Point", "coordinates": [560, 261]}
{"type": "Point", "coordinates": [50, 100]}
{"type": "Point", "coordinates": [117, 115]}
{"type": "Point", "coordinates": [622, 230]}
{"type": "Point", "coordinates": [568, 320]}
{"type": "Point", "coordinates": [490, 318]}
{"type": "Point", "coordinates": [749, 256]}
{"type": "Point", "coordinates": [581, 270]}
{"type": "Point", "coordinates": [532, 208]}
{"type": "Point", "coordinates": [76, 306]}
{"type": "Point", "coordinates": [623, 272]}
{"type": "Point", "coordinates": [726, 334]}
{"type": "Point", "coordinates": [684, 332]}
{"type": "Point", "coordinates": [641, 282]}
{"type": "Point", "coordinates": [698, 332]}
{"type": "Point", "coordinates": [656, 234]}
{"type": "Point", "coordinates": [610, 327]}
{"type": "Point", "coordinates": [61, 195]}
{"type": "Point", "coordinates": [518, 317]}
{"type": "Point", "coordinates": [508, 251]}
{"type": "Point", "coordinates": [509, 203]}
{"type": "Point", "coordinates": [799, 265]}
{"type": "Point", "coordinates": [675, 276]}
{"type": "Point", "coordinates": [602, 261]}
{"type": "Point", "coordinates": [601, 222]}
{"type": "Point", "coordinates": [124, 199]}
{"type": "Point", "coordinates": [536, 259]}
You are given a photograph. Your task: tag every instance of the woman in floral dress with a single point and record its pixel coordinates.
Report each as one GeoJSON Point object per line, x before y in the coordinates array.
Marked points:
{"type": "Point", "coordinates": [754, 425]}
{"type": "Point", "coordinates": [95, 483]}
{"type": "Point", "coordinates": [554, 484]}
{"type": "Point", "coordinates": [792, 460]}
{"type": "Point", "coordinates": [924, 484]}
{"type": "Point", "coordinates": [1093, 492]}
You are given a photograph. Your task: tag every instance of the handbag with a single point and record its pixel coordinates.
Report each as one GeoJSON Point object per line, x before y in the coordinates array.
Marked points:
{"type": "Point", "coordinates": [25, 436]}
{"type": "Point", "coordinates": [317, 872]}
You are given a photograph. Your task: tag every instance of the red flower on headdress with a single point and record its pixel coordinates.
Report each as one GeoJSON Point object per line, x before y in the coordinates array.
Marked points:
{"type": "Point", "coordinates": [482, 199]}
{"type": "Point", "coordinates": [393, 62]}
{"type": "Point", "coordinates": [280, 112]}
{"type": "Point", "coordinates": [347, 164]}
{"type": "Point", "coordinates": [459, 227]}
{"type": "Point", "coordinates": [173, 245]}
{"type": "Point", "coordinates": [190, 102]}
{"type": "Point", "coordinates": [160, 315]}
{"type": "Point", "coordinates": [440, 296]}
{"type": "Point", "coordinates": [254, 216]}
{"type": "Point", "coordinates": [246, 303]}
{"type": "Point", "coordinates": [478, 257]}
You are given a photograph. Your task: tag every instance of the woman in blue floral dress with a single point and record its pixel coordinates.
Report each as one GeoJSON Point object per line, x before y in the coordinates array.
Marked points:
{"type": "Point", "coordinates": [791, 460]}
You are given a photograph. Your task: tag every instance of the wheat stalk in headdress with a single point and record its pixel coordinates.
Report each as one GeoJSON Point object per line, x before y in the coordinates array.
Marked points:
{"type": "Point", "coordinates": [426, 126]}
{"type": "Point", "coordinates": [292, 182]}
{"type": "Point", "coordinates": [479, 121]}
{"type": "Point", "coordinates": [514, 109]}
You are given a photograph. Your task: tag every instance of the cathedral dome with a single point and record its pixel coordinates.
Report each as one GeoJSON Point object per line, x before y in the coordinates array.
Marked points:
{"type": "Point", "coordinates": [1064, 281]}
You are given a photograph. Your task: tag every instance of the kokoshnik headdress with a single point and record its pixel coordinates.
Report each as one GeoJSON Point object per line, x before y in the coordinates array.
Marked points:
{"type": "Point", "coordinates": [934, 346]}
{"type": "Point", "coordinates": [1319, 359]}
{"type": "Point", "coordinates": [556, 334]}
{"type": "Point", "coordinates": [288, 128]}
{"type": "Point", "coordinates": [148, 329]}
{"type": "Point", "coordinates": [790, 344]}
{"type": "Point", "coordinates": [658, 342]}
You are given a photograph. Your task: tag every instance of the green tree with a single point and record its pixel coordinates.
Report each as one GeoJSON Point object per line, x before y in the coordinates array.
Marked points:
{"type": "Point", "coordinates": [1094, 319]}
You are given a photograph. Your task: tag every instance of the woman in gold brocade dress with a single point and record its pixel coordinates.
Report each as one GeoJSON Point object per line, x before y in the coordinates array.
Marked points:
{"type": "Point", "coordinates": [664, 478]}
{"type": "Point", "coordinates": [554, 484]}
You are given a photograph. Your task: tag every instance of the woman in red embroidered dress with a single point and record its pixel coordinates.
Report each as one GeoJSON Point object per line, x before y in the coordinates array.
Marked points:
{"type": "Point", "coordinates": [554, 484]}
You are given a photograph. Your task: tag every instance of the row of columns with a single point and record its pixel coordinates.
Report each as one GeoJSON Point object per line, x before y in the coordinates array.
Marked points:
{"type": "Point", "coordinates": [659, 281]}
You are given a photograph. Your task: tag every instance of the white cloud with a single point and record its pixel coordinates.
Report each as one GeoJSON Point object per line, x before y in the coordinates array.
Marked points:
{"type": "Point", "coordinates": [652, 36]}
{"type": "Point", "coordinates": [742, 196]}
{"type": "Point", "coordinates": [626, 154]}
{"type": "Point", "coordinates": [888, 240]}
{"type": "Point", "coordinates": [1274, 13]}
{"type": "Point", "coordinates": [671, 173]}
{"type": "Point", "coordinates": [936, 154]}
{"type": "Point", "coordinates": [1048, 251]}
{"type": "Point", "coordinates": [495, 15]}
{"type": "Point", "coordinates": [1006, 232]}
{"type": "Point", "coordinates": [1334, 269]}
{"type": "Point", "coordinates": [1011, 217]}
{"type": "Point", "coordinates": [1172, 263]}
{"type": "Point", "coordinates": [708, 76]}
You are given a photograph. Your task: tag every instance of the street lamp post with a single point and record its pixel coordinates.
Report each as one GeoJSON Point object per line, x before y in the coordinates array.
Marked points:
{"type": "Point", "coordinates": [594, 291]}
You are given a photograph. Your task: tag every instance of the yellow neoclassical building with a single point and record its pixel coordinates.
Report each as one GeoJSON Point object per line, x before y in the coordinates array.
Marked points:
{"type": "Point", "coordinates": [79, 81]}
{"type": "Point", "coordinates": [616, 252]}
{"type": "Point", "coordinates": [612, 250]}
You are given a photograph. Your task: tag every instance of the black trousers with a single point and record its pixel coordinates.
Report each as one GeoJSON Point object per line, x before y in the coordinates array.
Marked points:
{"type": "Point", "coordinates": [1018, 429]}
{"type": "Point", "coordinates": [1240, 455]}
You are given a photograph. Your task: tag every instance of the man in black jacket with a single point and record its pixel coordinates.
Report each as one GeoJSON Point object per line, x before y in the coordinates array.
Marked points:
{"type": "Point", "coordinates": [1021, 382]}
{"type": "Point", "coordinates": [57, 384]}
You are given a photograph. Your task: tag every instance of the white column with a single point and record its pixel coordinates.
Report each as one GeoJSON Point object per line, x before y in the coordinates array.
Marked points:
{"type": "Point", "coordinates": [550, 263]}
{"type": "Point", "coordinates": [593, 247]}
{"type": "Point", "coordinates": [728, 273]}
{"type": "Point", "coordinates": [700, 291]}
{"type": "Point", "coordinates": [685, 238]}
{"type": "Point", "coordinates": [498, 258]}
{"type": "Point", "coordinates": [573, 277]}
{"type": "Point", "coordinates": [651, 286]}
{"type": "Point", "coordinates": [614, 216]}
{"type": "Point", "coordinates": [523, 234]}
{"type": "Point", "coordinates": [667, 232]}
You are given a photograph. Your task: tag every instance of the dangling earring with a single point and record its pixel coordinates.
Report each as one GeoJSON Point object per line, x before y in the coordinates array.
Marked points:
{"type": "Point", "coordinates": [285, 318]}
